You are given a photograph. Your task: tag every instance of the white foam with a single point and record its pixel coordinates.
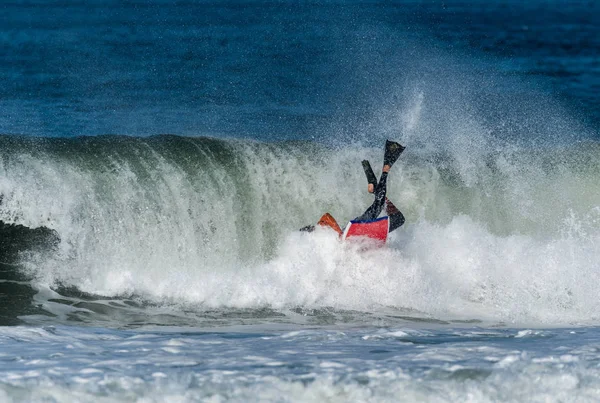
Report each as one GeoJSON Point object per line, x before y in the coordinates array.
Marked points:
{"type": "Point", "coordinates": [460, 370]}
{"type": "Point", "coordinates": [148, 227]}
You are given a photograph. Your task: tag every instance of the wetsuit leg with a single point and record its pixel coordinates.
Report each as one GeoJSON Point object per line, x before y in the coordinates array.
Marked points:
{"type": "Point", "coordinates": [375, 209]}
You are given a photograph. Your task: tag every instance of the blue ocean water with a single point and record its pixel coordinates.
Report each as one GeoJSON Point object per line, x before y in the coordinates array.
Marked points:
{"type": "Point", "coordinates": [283, 70]}
{"type": "Point", "coordinates": [157, 158]}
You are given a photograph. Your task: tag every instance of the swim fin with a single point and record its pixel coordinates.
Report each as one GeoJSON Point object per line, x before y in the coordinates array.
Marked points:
{"type": "Point", "coordinates": [327, 220]}
{"type": "Point", "coordinates": [371, 178]}
{"type": "Point", "coordinates": [392, 152]}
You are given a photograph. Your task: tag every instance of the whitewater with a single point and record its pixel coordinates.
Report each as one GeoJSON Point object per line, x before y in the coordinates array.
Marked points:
{"type": "Point", "coordinates": [188, 248]}
{"type": "Point", "coordinates": [213, 223]}
{"type": "Point", "coordinates": [182, 260]}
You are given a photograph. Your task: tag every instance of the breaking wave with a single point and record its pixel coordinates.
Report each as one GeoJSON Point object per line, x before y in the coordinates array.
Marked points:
{"type": "Point", "coordinates": [509, 235]}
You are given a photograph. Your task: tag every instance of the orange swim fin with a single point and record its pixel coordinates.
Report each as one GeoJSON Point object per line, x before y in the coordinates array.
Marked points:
{"type": "Point", "coordinates": [328, 221]}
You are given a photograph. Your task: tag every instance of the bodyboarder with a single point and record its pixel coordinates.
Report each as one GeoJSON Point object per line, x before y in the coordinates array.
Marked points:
{"type": "Point", "coordinates": [395, 217]}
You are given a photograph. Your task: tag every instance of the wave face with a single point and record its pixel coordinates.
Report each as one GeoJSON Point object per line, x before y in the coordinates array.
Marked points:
{"type": "Point", "coordinates": [506, 235]}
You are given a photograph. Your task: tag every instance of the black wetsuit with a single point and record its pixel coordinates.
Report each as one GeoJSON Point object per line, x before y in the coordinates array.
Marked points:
{"type": "Point", "coordinates": [395, 216]}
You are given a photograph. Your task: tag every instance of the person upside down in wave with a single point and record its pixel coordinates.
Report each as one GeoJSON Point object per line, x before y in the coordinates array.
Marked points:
{"type": "Point", "coordinates": [395, 217]}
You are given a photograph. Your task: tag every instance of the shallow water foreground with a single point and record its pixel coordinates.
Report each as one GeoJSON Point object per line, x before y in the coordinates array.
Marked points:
{"type": "Point", "coordinates": [363, 364]}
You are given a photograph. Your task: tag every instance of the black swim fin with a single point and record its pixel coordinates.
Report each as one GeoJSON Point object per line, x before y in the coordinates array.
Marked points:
{"type": "Point", "coordinates": [371, 178]}
{"type": "Point", "coordinates": [392, 152]}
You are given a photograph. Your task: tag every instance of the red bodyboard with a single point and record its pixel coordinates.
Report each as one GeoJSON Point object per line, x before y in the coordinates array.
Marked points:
{"type": "Point", "coordinates": [375, 229]}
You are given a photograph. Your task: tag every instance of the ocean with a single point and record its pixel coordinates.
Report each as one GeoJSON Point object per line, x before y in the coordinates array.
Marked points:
{"type": "Point", "coordinates": [157, 159]}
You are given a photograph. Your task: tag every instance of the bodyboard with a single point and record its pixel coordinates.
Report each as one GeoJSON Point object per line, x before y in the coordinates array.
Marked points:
{"type": "Point", "coordinates": [373, 229]}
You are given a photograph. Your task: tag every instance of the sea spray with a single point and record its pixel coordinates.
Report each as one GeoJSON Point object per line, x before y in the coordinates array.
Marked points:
{"type": "Point", "coordinates": [213, 222]}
